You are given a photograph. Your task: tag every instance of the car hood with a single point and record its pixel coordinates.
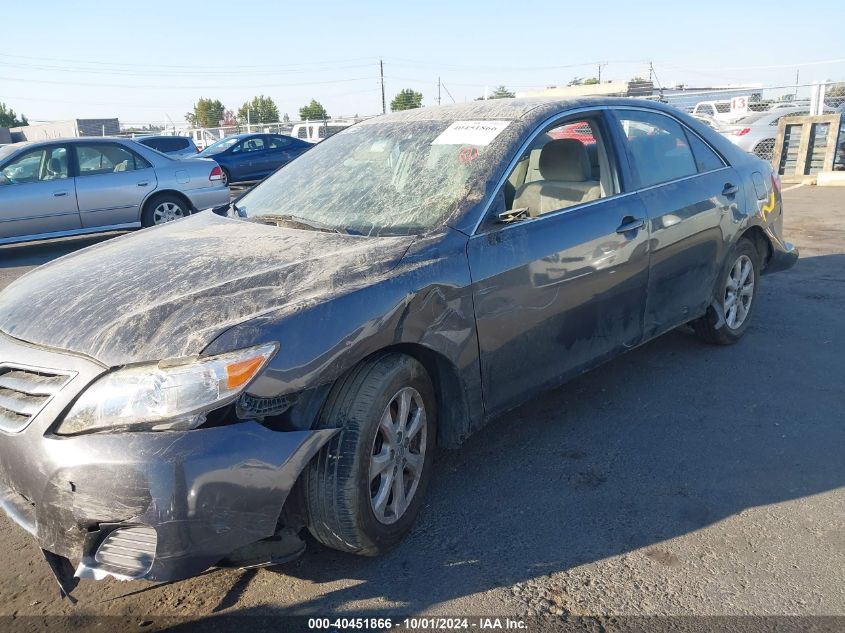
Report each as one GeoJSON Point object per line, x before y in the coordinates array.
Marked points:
{"type": "Point", "coordinates": [169, 291]}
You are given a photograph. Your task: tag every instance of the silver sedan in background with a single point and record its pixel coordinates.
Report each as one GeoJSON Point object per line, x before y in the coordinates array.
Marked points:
{"type": "Point", "coordinates": [74, 186]}
{"type": "Point", "coordinates": [756, 132]}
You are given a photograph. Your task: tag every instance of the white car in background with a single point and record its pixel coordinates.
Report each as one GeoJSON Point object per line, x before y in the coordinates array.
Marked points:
{"type": "Point", "coordinates": [719, 111]}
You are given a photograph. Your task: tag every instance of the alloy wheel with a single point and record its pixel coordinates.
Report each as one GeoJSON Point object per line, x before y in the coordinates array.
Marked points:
{"type": "Point", "coordinates": [167, 212]}
{"type": "Point", "coordinates": [739, 292]}
{"type": "Point", "coordinates": [398, 455]}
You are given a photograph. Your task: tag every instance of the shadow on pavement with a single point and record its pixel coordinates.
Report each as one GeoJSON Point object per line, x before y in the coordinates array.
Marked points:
{"type": "Point", "coordinates": [37, 253]}
{"type": "Point", "coordinates": [666, 440]}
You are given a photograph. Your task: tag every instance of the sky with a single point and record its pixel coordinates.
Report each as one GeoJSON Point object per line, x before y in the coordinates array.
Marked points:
{"type": "Point", "coordinates": [149, 62]}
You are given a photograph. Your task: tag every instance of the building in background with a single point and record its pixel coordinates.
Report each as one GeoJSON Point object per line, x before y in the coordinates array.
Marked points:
{"type": "Point", "coordinates": [65, 129]}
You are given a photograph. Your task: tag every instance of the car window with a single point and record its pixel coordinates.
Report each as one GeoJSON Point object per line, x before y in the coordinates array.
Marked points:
{"type": "Point", "coordinates": [658, 147]}
{"type": "Point", "coordinates": [46, 163]}
{"type": "Point", "coordinates": [302, 132]}
{"type": "Point", "coordinates": [566, 165]}
{"type": "Point", "coordinates": [786, 114]}
{"type": "Point", "coordinates": [107, 158]}
{"type": "Point", "coordinates": [155, 143]}
{"type": "Point", "coordinates": [705, 158]}
{"type": "Point", "coordinates": [253, 145]}
{"type": "Point", "coordinates": [279, 142]}
{"type": "Point", "coordinates": [170, 144]}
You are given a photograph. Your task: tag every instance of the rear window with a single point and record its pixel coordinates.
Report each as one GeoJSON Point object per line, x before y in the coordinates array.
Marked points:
{"type": "Point", "coordinates": [172, 144]}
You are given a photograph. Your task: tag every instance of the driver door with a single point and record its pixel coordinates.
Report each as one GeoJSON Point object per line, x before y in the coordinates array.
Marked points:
{"type": "Point", "coordinates": [562, 287]}
{"type": "Point", "coordinates": [38, 193]}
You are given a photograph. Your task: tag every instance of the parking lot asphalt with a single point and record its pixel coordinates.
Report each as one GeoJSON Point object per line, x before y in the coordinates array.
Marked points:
{"type": "Point", "coordinates": [678, 479]}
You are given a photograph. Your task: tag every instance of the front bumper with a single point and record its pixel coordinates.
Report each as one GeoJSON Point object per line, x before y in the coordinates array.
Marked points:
{"type": "Point", "coordinates": [784, 257]}
{"type": "Point", "coordinates": [204, 493]}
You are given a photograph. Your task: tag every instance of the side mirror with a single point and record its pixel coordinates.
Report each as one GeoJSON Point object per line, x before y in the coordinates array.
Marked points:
{"type": "Point", "coordinates": [513, 215]}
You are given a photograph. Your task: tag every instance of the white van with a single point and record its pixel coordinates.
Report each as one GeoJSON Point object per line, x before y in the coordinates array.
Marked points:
{"type": "Point", "coordinates": [316, 131]}
{"type": "Point", "coordinates": [717, 110]}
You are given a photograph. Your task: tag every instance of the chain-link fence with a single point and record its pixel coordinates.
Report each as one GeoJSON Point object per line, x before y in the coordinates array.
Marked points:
{"type": "Point", "coordinates": [747, 115]}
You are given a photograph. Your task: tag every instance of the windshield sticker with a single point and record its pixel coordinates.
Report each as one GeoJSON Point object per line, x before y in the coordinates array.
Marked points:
{"type": "Point", "coordinates": [468, 154]}
{"type": "Point", "coordinates": [471, 133]}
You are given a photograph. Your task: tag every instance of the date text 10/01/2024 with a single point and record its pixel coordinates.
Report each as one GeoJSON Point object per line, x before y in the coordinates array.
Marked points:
{"type": "Point", "coordinates": [421, 623]}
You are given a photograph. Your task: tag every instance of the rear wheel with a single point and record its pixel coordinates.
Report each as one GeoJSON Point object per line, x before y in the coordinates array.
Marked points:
{"type": "Point", "coordinates": [164, 208]}
{"type": "Point", "coordinates": [737, 297]}
{"type": "Point", "coordinates": [365, 488]}
{"type": "Point", "coordinates": [226, 177]}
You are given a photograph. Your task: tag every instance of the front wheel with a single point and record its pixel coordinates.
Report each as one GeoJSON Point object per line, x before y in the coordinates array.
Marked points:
{"type": "Point", "coordinates": [738, 291]}
{"type": "Point", "coordinates": [365, 488]}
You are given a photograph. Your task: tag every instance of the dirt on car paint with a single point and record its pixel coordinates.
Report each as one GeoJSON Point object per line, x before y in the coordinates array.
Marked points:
{"type": "Point", "coordinates": [716, 487]}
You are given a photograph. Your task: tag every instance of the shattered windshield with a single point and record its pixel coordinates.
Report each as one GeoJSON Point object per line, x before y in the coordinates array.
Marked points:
{"type": "Point", "coordinates": [380, 178]}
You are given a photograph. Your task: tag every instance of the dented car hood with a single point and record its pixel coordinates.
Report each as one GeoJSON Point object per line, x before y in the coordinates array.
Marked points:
{"type": "Point", "coordinates": [168, 292]}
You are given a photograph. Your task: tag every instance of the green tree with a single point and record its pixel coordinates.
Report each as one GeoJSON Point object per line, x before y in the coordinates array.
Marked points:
{"type": "Point", "coordinates": [207, 113]}
{"type": "Point", "coordinates": [286, 118]}
{"type": "Point", "coordinates": [581, 81]}
{"type": "Point", "coordinates": [314, 111]}
{"type": "Point", "coordinates": [261, 110]}
{"type": "Point", "coordinates": [406, 99]}
{"type": "Point", "coordinates": [8, 118]}
{"type": "Point", "coordinates": [502, 93]}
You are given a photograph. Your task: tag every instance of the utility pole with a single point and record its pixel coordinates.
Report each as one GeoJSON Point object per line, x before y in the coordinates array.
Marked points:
{"type": "Point", "coordinates": [650, 70]}
{"type": "Point", "coordinates": [438, 91]}
{"type": "Point", "coordinates": [381, 72]}
{"type": "Point", "coordinates": [600, 67]}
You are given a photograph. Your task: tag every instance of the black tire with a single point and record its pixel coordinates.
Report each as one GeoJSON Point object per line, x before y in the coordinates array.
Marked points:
{"type": "Point", "coordinates": [148, 215]}
{"type": "Point", "coordinates": [336, 484]}
{"type": "Point", "coordinates": [705, 327]}
{"type": "Point", "coordinates": [227, 179]}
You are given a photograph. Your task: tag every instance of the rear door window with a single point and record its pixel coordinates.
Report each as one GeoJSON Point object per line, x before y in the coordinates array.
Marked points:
{"type": "Point", "coordinates": [279, 142]}
{"type": "Point", "coordinates": [107, 158]}
{"type": "Point", "coordinates": [657, 146]}
{"type": "Point", "coordinates": [705, 158]}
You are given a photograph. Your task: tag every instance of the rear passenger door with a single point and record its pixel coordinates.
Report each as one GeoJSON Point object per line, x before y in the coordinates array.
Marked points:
{"type": "Point", "coordinates": [561, 286]}
{"type": "Point", "coordinates": [112, 183]}
{"type": "Point", "coordinates": [688, 191]}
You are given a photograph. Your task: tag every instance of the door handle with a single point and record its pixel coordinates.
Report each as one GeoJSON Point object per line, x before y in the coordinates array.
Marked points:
{"type": "Point", "coordinates": [730, 189]}
{"type": "Point", "coordinates": [59, 194]}
{"type": "Point", "coordinates": [143, 183]}
{"type": "Point", "coordinates": [630, 224]}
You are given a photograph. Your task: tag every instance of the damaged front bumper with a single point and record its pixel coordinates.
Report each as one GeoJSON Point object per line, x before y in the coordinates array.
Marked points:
{"type": "Point", "coordinates": [152, 505]}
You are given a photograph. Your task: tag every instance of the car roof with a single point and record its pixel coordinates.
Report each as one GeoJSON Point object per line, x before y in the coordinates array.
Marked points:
{"type": "Point", "coordinates": [528, 110]}
{"type": "Point", "coordinates": [146, 136]}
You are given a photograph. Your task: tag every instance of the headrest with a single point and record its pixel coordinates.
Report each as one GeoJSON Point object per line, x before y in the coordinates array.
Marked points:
{"type": "Point", "coordinates": [564, 159]}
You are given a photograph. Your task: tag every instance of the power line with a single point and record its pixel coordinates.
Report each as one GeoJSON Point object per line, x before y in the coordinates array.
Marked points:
{"type": "Point", "coordinates": [185, 66]}
{"type": "Point", "coordinates": [195, 87]}
{"type": "Point", "coordinates": [180, 73]}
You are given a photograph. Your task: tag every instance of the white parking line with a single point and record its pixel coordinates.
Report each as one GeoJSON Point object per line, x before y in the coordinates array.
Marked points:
{"type": "Point", "coordinates": [800, 184]}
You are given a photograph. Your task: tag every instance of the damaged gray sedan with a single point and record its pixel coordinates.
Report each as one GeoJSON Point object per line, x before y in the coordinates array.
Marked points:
{"type": "Point", "coordinates": [200, 393]}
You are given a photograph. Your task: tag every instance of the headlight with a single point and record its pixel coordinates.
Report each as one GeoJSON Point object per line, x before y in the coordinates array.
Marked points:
{"type": "Point", "coordinates": [164, 396]}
